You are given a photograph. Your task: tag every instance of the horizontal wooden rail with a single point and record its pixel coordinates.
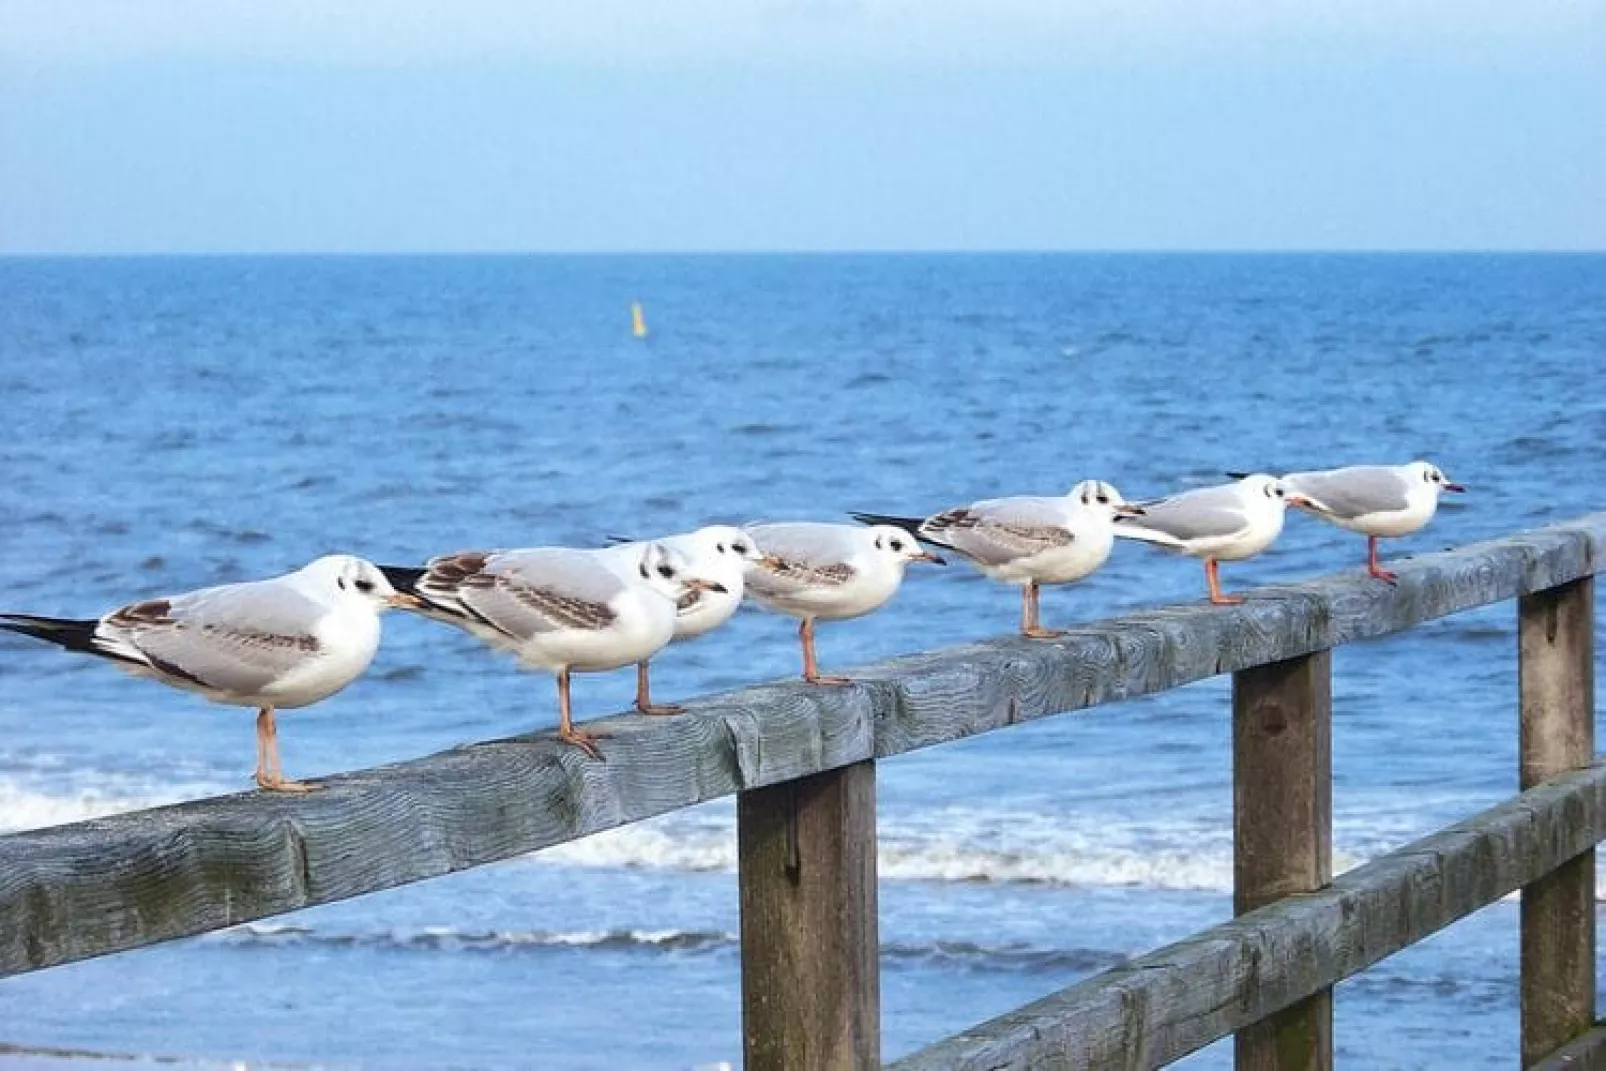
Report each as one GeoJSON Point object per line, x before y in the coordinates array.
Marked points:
{"type": "Point", "coordinates": [82, 890]}
{"type": "Point", "coordinates": [1170, 1002]}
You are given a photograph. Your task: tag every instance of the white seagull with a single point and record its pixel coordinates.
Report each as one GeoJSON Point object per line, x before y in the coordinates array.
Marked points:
{"type": "Point", "coordinates": [718, 552]}
{"type": "Point", "coordinates": [557, 608]}
{"type": "Point", "coordinates": [1028, 541]}
{"type": "Point", "coordinates": [272, 644]}
{"type": "Point", "coordinates": [1378, 501]}
{"type": "Point", "coordinates": [1227, 523]}
{"type": "Point", "coordinates": [828, 571]}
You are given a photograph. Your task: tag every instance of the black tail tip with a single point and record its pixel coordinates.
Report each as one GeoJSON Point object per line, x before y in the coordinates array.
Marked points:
{"type": "Point", "coordinates": [403, 578]}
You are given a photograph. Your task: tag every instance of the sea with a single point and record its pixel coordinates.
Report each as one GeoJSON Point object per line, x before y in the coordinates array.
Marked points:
{"type": "Point", "coordinates": [173, 423]}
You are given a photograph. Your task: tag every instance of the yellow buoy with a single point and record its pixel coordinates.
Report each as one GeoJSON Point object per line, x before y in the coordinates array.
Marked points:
{"type": "Point", "coordinates": [638, 322]}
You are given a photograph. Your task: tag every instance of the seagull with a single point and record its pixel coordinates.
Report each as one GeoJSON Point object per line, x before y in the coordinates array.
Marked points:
{"type": "Point", "coordinates": [828, 571]}
{"type": "Point", "coordinates": [718, 552]}
{"type": "Point", "coordinates": [557, 608]}
{"type": "Point", "coordinates": [1227, 523]}
{"type": "Point", "coordinates": [1378, 501]}
{"type": "Point", "coordinates": [1028, 541]}
{"type": "Point", "coordinates": [273, 644]}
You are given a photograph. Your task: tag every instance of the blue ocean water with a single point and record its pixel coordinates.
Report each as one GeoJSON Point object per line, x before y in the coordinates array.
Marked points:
{"type": "Point", "coordinates": [174, 423]}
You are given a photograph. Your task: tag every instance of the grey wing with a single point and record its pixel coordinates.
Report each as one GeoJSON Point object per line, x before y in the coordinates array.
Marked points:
{"type": "Point", "coordinates": [801, 557]}
{"type": "Point", "coordinates": [1209, 513]}
{"type": "Point", "coordinates": [1353, 492]}
{"type": "Point", "coordinates": [524, 593]}
{"type": "Point", "coordinates": [238, 639]}
{"type": "Point", "coordinates": [1002, 530]}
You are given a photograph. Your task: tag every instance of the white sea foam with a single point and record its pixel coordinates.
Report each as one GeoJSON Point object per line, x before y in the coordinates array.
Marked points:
{"type": "Point", "coordinates": [23, 807]}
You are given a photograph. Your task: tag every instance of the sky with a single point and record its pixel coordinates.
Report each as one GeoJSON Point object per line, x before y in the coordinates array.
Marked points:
{"type": "Point", "coordinates": [275, 126]}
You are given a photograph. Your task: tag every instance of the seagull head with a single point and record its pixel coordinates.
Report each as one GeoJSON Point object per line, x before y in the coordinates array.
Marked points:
{"type": "Point", "coordinates": [1101, 497]}
{"type": "Point", "coordinates": [900, 545]}
{"type": "Point", "coordinates": [670, 574]}
{"type": "Point", "coordinates": [347, 577]}
{"type": "Point", "coordinates": [1431, 474]}
{"type": "Point", "coordinates": [1258, 483]}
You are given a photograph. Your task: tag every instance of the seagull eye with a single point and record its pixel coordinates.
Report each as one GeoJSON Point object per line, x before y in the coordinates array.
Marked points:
{"type": "Point", "coordinates": [365, 586]}
{"type": "Point", "coordinates": [665, 571]}
{"type": "Point", "coordinates": [720, 547]}
{"type": "Point", "coordinates": [642, 569]}
{"type": "Point", "coordinates": [1279, 492]}
{"type": "Point", "coordinates": [341, 581]}
{"type": "Point", "coordinates": [1104, 499]}
{"type": "Point", "coordinates": [740, 548]}
{"type": "Point", "coordinates": [897, 544]}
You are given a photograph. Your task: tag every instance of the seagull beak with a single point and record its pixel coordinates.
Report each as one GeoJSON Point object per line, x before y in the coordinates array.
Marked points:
{"type": "Point", "coordinates": [1459, 489]}
{"type": "Point", "coordinates": [401, 600]}
{"type": "Point", "coordinates": [1126, 509]}
{"type": "Point", "coordinates": [1299, 500]}
{"type": "Point", "coordinates": [698, 584]}
{"type": "Point", "coordinates": [928, 556]}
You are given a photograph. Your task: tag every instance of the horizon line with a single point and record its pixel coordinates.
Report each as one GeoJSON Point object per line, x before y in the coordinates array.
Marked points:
{"type": "Point", "coordinates": [875, 252]}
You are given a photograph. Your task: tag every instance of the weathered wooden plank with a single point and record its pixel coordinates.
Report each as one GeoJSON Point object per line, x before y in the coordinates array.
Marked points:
{"type": "Point", "coordinates": [117, 883]}
{"type": "Point", "coordinates": [1584, 1053]}
{"type": "Point", "coordinates": [1170, 1002]}
{"type": "Point", "coordinates": [1556, 645]}
{"type": "Point", "coordinates": [811, 994]}
{"type": "Point", "coordinates": [1282, 823]}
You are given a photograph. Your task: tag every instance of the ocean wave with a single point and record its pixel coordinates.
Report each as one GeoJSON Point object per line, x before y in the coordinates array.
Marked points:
{"type": "Point", "coordinates": [957, 955]}
{"type": "Point", "coordinates": [449, 939]}
{"type": "Point", "coordinates": [963, 848]}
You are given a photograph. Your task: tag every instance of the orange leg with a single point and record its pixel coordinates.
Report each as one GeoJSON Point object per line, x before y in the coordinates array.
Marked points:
{"type": "Point", "coordinates": [811, 671]}
{"type": "Point", "coordinates": [1372, 565]}
{"type": "Point", "coordinates": [1029, 626]}
{"type": "Point", "coordinates": [269, 774]}
{"type": "Point", "coordinates": [586, 742]}
{"type": "Point", "coordinates": [644, 701]}
{"type": "Point", "coordinates": [1213, 578]}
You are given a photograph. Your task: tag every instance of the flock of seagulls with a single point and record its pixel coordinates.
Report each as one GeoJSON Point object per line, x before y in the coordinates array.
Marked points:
{"type": "Point", "coordinates": [290, 641]}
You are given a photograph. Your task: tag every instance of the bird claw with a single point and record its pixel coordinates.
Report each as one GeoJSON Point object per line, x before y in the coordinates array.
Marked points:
{"type": "Point", "coordinates": [657, 709]}
{"type": "Point", "coordinates": [1036, 633]}
{"type": "Point", "coordinates": [820, 679]}
{"type": "Point", "coordinates": [270, 784]}
{"type": "Point", "coordinates": [586, 742]}
{"type": "Point", "coordinates": [1385, 576]}
{"type": "Point", "coordinates": [1226, 600]}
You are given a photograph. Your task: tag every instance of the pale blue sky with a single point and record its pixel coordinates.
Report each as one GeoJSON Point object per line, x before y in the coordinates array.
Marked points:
{"type": "Point", "coordinates": [597, 125]}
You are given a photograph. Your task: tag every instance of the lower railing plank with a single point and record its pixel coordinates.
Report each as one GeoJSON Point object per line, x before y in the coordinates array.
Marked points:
{"type": "Point", "coordinates": [1170, 1002]}
{"type": "Point", "coordinates": [1584, 1053]}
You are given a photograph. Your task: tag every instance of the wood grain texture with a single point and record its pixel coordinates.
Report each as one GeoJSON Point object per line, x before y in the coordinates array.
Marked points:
{"type": "Point", "coordinates": [1282, 819]}
{"type": "Point", "coordinates": [811, 995]}
{"type": "Point", "coordinates": [1170, 1002]}
{"type": "Point", "coordinates": [1556, 674]}
{"type": "Point", "coordinates": [1584, 1053]}
{"type": "Point", "coordinates": [116, 883]}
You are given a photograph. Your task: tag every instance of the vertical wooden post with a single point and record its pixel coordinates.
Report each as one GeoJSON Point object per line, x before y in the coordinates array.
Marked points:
{"type": "Point", "coordinates": [811, 989]}
{"type": "Point", "coordinates": [1556, 671]}
{"type": "Point", "coordinates": [1282, 806]}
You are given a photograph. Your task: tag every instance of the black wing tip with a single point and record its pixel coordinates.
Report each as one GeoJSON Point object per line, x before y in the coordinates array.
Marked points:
{"type": "Point", "coordinates": [618, 540]}
{"type": "Point", "coordinates": [404, 578]}
{"type": "Point", "coordinates": [908, 524]}
{"type": "Point", "coordinates": [1237, 475]}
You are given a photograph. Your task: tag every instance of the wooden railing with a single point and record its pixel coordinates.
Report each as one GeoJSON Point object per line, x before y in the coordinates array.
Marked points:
{"type": "Point", "coordinates": [802, 763]}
